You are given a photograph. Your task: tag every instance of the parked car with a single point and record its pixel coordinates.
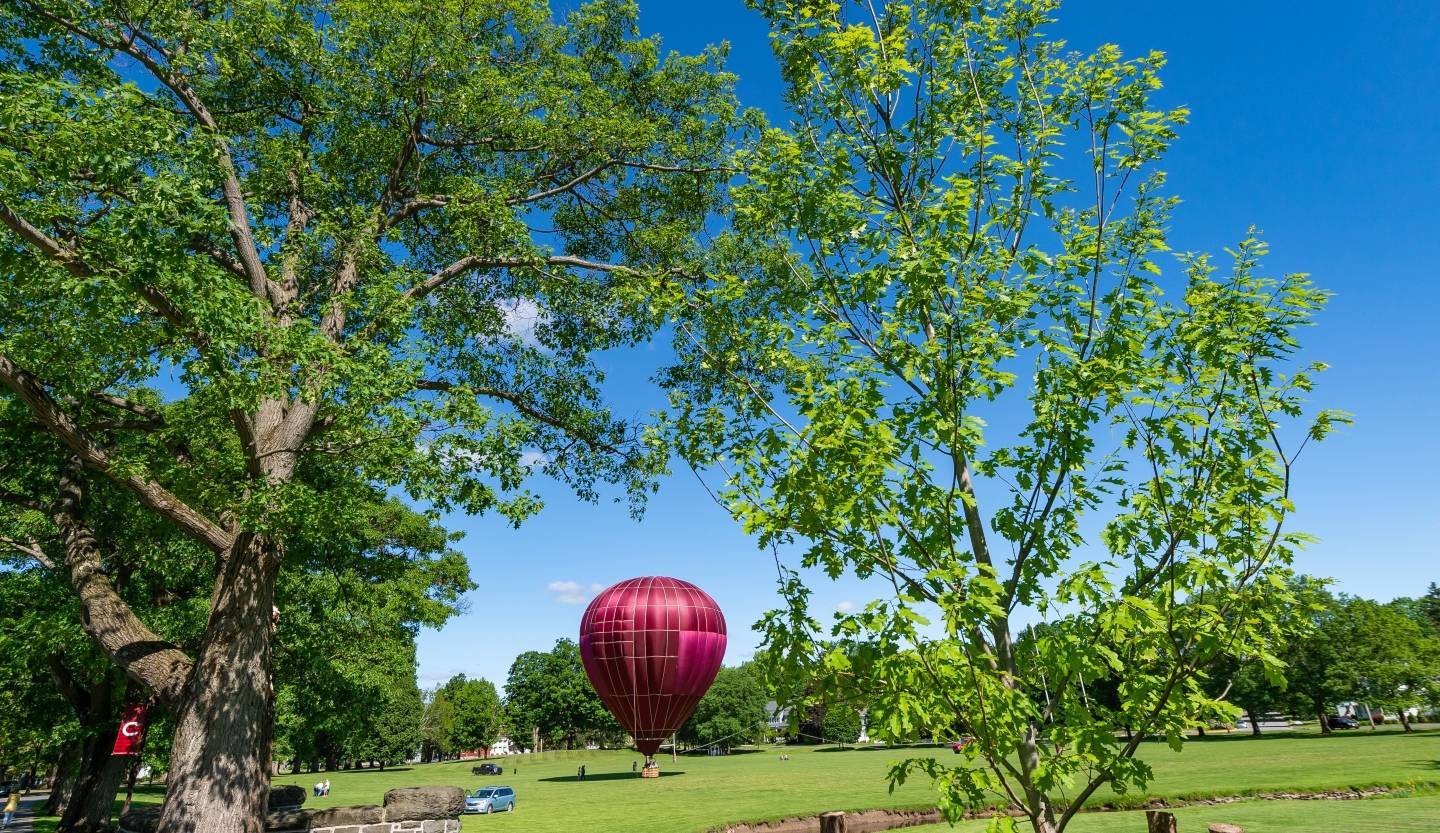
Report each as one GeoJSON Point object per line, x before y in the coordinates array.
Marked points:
{"type": "Point", "coordinates": [1337, 721]}
{"type": "Point", "coordinates": [959, 746]}
{"type": "Point", "coordinates": [490, 800]}
{"type": "Point", "coordinates": [487, 769]}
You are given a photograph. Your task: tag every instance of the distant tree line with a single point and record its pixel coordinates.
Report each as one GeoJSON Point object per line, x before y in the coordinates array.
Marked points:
{"type": "Point", "coordinates": [1334, 649]}
{"type": "Point", "coordinates": [1383, 655]}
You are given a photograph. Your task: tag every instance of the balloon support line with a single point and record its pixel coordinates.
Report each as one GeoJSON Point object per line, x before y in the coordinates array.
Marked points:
{"type": "Point", "coordinates": [733, 734]}
{"type": "Point", "coordinates": [820, 738]}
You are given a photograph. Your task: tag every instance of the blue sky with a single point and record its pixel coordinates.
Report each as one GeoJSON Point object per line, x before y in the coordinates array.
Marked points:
{"type": "Point", "coordinates": [1317, 122]}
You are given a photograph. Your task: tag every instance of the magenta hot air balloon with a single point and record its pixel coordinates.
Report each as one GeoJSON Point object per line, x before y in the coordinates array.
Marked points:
{"type": "Point", "coordinates": [652, 647]}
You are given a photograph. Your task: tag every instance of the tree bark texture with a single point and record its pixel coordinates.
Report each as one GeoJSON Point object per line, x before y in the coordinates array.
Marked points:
{"type": "Point", "coordinates": [219, 763]}
{"type": "Point", "coordinates": [64, 781]}
{"type": "Point", "coordinates": [93, 799]}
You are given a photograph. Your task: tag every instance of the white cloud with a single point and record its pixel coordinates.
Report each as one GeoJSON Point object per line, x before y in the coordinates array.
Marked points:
{"type": "Point", "coordinates": [434, 678]}
{"type": "Point", "coordinates": [572, 592]}
{"type": "Point", "coordinates": [521, 316]}
{"type": "Point", "coordinates": [844, 607]}
{"type": "Point", "coordinates": [533, 459]}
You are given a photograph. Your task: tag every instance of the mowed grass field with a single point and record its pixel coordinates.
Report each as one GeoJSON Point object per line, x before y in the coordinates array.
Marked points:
{"type": "Point", "coordinates": [698, 793]}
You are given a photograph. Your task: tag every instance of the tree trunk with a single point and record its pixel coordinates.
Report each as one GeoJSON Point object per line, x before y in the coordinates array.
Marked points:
{"type": "Point", "coordinates": [219, 763]}
{"type": "Point", "coordinates": [93, 799]}
{"type": "Point", "coordinates": [1254, 722]}
{"type": "Point", "coordinates": [1324, 722]}
{"type": "Point", "coordinates": [1199, 731]}
{"type": "Point", "coordinates": [64, 782]}
{"type": "Point", "coordinates": [1405, 720]}
{"type": "Point", "coordinates": [130, 784]}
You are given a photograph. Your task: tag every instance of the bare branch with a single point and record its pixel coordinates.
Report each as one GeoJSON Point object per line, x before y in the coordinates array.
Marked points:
{"type": "Point", "coordinates": [579, 180]}
{"type": "Point", "coordinates": [473, 263]}
{"type": "Point", "coordinates": [523, 405]}
{"type": "Point", "coordinates": [30, 547]}
{"type": "Point", "coordinates": [144, 656]}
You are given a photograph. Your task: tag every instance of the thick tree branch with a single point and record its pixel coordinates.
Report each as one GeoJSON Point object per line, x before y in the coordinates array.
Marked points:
{"type": "Point", "coordinates": [145, 412]}
{"type": "Point", "coordinates": [70, 260]}
{"type": "Point", "coordinates": [73, 693]}
{"type": "Point", "coordinates": [234, 198]}
{"type": "Point", "coordinates": [30, 547]}
{"type": "Point", "coordinates": [32, 392]}
{"type": "Point", "coordinates": [143, 655]}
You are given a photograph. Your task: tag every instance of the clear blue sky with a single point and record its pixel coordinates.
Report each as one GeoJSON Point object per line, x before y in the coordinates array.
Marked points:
{"type": "Point", "coordinates": [1318, 122]}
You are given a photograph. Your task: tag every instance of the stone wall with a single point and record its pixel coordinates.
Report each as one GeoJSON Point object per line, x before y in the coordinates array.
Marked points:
{"type": "Point", "coordinates": [408, 810]}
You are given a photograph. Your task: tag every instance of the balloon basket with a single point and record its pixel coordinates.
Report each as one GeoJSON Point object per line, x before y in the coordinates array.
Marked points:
{"type": "Point", "coordinates": [651, 771]}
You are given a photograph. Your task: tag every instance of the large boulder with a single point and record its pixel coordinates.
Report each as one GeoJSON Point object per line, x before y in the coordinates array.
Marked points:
{"type": "Point", "coordinates": [344, 816]}
{"type": "Point", "coordinates": [414, 803]}
{"type": "Point", "coordinates": [286, 797]}
{"type": "Point", "coordinates": [140, 820]}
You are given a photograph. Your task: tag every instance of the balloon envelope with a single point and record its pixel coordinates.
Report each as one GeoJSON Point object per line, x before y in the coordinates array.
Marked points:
{"type": "Point", "coordinates": [651, 647]}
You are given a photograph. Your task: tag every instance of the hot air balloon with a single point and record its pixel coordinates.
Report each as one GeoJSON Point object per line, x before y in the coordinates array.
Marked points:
{"type": "Point", "coordinates": [651, 647]}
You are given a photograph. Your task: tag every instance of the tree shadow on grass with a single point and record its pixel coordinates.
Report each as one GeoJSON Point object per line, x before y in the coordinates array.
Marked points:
{"type": "Point", "coordinates": [605, 776]}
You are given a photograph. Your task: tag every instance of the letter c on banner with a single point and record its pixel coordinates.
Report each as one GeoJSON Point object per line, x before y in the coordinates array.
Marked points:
{"type": "Point", "coordinates": [132, 730]}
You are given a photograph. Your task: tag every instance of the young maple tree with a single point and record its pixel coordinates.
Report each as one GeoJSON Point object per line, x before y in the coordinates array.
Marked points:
{"type": "Point", "coordinates": [377, 239]}
{"type": "Point", "coordinates": [945, 348]}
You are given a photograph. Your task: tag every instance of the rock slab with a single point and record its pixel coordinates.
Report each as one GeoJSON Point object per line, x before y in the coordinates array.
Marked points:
{"type": "Point", "coordinates": [411, 803]}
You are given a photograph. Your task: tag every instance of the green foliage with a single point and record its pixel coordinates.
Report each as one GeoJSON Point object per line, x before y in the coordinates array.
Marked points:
{"type": "Point", "coordinates": [345, 644]}
{"type": "Point", "coordinates": [475, 713]}
{"type": "Point", "coordinates": [360, 245]}
{"type": "Point", "coordinates": [548, 692]}
{"type": "Point", "coordinates": [466, 195]}
{"type": "Point", "coordinates": [732, 712]}
{"type": "Point", "coordinates": [946, 346]}
{"type": "Point", "coordinates": [841, 723]}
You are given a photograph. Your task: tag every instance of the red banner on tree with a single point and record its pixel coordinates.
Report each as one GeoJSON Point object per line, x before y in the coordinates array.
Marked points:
{"type": "Point", "coordinates": [132, 730]}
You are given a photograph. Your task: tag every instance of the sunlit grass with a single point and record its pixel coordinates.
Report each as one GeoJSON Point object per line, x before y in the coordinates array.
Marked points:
{"type": "Point", "coordinates": [697, 793]}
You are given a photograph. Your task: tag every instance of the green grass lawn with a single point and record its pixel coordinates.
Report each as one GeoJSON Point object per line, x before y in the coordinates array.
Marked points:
{"type": "Point", "coordinates": [697, 793]}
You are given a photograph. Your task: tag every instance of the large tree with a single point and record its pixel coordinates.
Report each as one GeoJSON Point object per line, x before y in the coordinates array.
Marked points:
{"type": "Point", "coordinates": [946, 349]}
{"type": "Point", "coordinates": [351, 605]}
{"type": "Point", "coordinates": [476, 717]}
{"type": "Point", "coordinates": [382, 238]}
{"type": "Point", "coordinates": [731, 712]}
{"type": "Point", "coordinates": [548, 696]}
